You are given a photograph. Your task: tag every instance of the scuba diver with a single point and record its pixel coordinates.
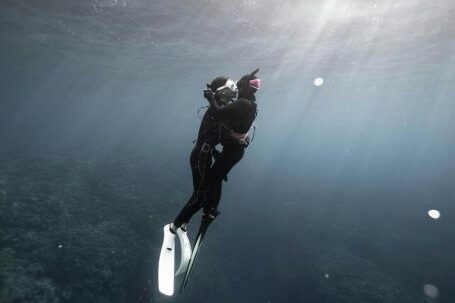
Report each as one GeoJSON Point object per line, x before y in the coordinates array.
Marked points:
{"type": "Point", "coordinates": [226, 122]}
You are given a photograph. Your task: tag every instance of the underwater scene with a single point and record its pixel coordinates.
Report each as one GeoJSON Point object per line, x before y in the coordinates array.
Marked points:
{"type": "Point", "coordinates": [128, 127]}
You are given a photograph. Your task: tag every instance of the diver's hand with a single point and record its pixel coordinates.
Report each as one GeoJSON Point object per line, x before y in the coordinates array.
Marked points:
{"type": "Point", "coordinates": [208, 94]}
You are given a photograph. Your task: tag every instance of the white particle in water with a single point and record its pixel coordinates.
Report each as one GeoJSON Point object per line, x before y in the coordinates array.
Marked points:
{"type": "Point", "coordinates": [318, 81]}
{"type": "Point", "coordinates": [430, 290]}
{"type": "Point", "coordinates": [434, 214]}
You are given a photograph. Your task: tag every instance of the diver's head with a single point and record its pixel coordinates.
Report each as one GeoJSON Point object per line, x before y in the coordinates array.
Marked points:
{"type": "Point", "coordinates": [248, 85]}
{"type": "Point", "coordinates": [225, 89]}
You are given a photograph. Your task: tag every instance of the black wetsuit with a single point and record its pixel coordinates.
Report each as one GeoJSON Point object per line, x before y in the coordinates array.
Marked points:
{"type": "Point", "coordinates": [216, 127]}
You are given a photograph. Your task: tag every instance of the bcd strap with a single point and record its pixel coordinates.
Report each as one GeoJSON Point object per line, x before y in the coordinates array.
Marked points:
{"type": "Point", "coordinates": [206, 148]}
{"type": "Point", "coordinates": [254, 133]}
{"type": "Point", "coordinates": [216, 154]}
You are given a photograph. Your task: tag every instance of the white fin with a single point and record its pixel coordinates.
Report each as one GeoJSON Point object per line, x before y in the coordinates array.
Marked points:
{"type": "Point", "coordinates": [166, 263]}
{"type": "Point", "coordinates": [185, 250]}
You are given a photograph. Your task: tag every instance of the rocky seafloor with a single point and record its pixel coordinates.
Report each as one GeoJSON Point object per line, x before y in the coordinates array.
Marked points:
{"type": "Point", "coordinates": [87, 228]}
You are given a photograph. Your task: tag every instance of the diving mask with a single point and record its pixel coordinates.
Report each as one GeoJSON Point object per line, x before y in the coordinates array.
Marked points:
{"type": "Point", "coordinates": [227, 92]}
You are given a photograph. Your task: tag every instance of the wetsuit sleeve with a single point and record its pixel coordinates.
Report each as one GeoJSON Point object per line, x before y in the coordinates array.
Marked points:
{"type": "Point", "coordinates": [224, 112]}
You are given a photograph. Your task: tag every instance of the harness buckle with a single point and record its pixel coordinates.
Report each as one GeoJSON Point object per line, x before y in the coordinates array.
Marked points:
{"type": "Point", "coordinates": [206, 148]}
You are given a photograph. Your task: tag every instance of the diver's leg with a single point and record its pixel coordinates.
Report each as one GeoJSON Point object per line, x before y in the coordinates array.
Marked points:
{"type": "Point", "coordinates": [200, 184]}
{"type": "Point", "coordinates": [230, 156]}
{"type": "Point", "coordinates": [194, 162]}
{"type": "Point", "coordinates": [195, 203]}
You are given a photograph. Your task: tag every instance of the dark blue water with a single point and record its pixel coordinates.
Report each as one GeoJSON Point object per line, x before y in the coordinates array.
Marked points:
{"type": "Point", "coordinates": [98, 111]}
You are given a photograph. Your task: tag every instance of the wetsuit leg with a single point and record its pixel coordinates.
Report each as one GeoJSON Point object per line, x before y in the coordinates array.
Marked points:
{"type": "Point", "coordinates": [200, 185]}
{"type": "Point", "coordinates": [230, 155]}
{"type": "Point", "coordinates": [194, 162]}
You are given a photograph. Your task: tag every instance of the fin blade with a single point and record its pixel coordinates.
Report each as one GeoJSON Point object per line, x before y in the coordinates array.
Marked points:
{"type": "Point", "coordinates": [185, 249]}
{"type": "Point", "coordinates": [194, 255]}
{"type": "Point", "coordinates": [166, 263]}
{"type": "Point", "coordinates": [197, 246]}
